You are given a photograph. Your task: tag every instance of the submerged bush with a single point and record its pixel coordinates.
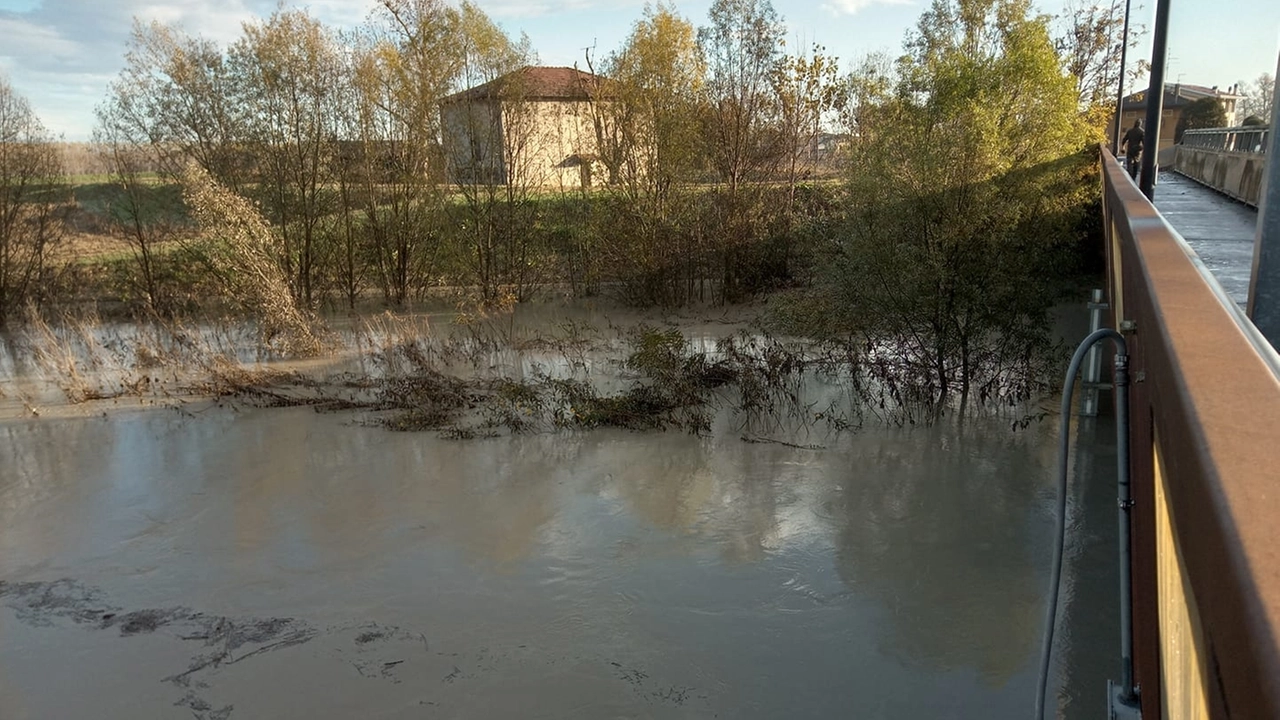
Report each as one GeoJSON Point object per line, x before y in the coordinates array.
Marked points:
{"type": "Point", "coordinates": [243, 252]}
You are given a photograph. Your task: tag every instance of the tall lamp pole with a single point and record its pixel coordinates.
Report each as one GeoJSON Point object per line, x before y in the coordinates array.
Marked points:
{"type": "Point", "coordinates": [1124, 51]}
{"type": "Point", "coordinates": [1155, 100]}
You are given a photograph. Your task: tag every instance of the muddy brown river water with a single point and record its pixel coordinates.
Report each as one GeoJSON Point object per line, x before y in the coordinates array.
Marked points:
{"type": "Point", "coordinates": [285, 563]}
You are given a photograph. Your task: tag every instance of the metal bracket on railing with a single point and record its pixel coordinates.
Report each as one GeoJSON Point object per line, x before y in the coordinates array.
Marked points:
{"type": "Point", "coordinates": [1128, 326]}
{"type": "Point", "coordinates": [1122, 705]}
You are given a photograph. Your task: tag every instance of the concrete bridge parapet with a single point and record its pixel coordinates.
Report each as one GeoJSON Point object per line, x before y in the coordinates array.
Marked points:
{"type": "Point", "coordinates": [1235, 173]}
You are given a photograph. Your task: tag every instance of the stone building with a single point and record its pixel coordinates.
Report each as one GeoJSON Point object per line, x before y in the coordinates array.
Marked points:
{"type": "Point", "coordinates": [534, 127]}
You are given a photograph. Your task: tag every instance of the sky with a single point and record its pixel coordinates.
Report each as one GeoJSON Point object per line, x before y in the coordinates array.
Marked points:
{"type": "Point", "coordinates": [62, 54]}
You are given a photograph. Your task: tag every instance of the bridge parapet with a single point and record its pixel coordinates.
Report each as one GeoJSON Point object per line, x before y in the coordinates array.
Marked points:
{"type": "Point", "coordinates": [1229, 160]}
{"type": "Point", "coordinates": [1205, 465]}
{"type": "Point", "coordinates": [1242, 139]}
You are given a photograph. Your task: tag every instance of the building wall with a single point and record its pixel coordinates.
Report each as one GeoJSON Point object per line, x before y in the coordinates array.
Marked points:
{"type": "Point", "coordinates": [472, 139]}
{"type": "Point", "coordinates": [1233, 115]}
{"type": "Point", "coordinates": [546, 143]}
{"type": "Point", "coordinates": [1168, 123]}
{"type": "Point", "coordinates": [551, 143]}
{"type": "Point", "coordinates": [1168, 120]}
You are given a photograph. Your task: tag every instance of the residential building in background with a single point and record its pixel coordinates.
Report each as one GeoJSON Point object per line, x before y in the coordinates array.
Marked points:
{"type": "Point", "coordinates": [1177, 96]}
{"type": "Point", "coordinates": [534, 127]}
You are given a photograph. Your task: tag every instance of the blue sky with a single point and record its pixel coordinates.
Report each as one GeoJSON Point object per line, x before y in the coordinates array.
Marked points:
{"type": "Point", "coordinates": [62, 53]}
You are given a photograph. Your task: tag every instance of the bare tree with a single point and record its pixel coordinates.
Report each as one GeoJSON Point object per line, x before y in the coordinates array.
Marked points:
{"type": "Point", "coordinates": [406, 59]}
{"type": "Point", "coordinates": [288, 69]}
{"type": "Point", "coordinates": [807, 88]}
{"type": "Point", "coordinates": [742, 47]}
{"type": "Point", "coordinates": [1259, 98]}
{"type": "Point", "coordinates": [1090, 41]}
{"type": "Point", "coordinates": [142, 212]}
{"type": "Point", "coordinates": [30, 226]}
{"type": "Point", "coordinates": [177, 94]}
{"type": "Point", "coordinates": [346, 163]}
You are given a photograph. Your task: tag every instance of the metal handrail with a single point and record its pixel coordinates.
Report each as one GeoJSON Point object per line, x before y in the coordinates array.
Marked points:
{"type": "Point", "coordinates": [1205, 432]}
{"type": "Point", "coordinates": [1242, 139]}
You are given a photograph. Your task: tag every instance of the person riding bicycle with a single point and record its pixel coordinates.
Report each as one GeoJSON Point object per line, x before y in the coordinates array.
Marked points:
{"type": "Point", "coordinates": [1133, 147]}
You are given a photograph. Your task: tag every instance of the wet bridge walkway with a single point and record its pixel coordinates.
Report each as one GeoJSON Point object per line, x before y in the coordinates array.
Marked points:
{"type": "Point", "coordinates": [1220, 229]}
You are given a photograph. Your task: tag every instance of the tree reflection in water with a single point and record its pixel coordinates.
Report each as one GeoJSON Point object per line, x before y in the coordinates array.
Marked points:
{"type": "Point", "coordinates": [942, 526]}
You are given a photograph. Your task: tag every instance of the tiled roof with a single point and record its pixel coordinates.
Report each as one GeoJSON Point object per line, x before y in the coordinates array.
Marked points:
{"type": "Point", "coordinates": [1202, 90]}
{"type": "Point", "coordinates": [536, 83]}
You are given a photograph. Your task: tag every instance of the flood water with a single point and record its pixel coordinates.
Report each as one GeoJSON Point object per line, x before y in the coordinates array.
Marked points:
{"type": "Point", "coordinates": [285, 563]}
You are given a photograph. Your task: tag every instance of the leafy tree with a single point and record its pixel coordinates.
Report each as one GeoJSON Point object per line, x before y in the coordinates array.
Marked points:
{"type": "Point", "coordinates": [30, 225]}
{"type": "Point", "coordinates": [1202, 113]}
{"type": "Point", "coordinates": [288, 71]}
{"type": "Point", "coordinates": [646, 119]}
{"type": "Point", "coordinates": [650, 104]}
{"type": "Point", "coordinates": [966, 183]}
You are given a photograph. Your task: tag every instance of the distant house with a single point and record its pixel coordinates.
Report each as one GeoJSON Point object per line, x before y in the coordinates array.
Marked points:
{"type": "Point", "coordinates": [1177, 96]}
{"type": "Point", "coordinates": [534, 127]}
{"type": "Point", "coordinates": [824, 147]}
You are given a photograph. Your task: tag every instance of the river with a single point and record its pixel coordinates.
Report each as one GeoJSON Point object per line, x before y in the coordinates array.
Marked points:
{"type": "Point", "coordinates": [218, 563]}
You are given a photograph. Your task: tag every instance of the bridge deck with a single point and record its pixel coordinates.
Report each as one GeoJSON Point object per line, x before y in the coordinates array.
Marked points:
{"type": "Point", "coordinates": [1218, 228]}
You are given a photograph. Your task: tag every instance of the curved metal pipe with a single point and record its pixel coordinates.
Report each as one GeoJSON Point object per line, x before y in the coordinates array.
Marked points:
{"type": "Point", "coordinates": [1121, 386]}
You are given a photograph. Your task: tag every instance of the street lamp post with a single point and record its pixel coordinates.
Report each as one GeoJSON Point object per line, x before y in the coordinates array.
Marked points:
{"type": "Point", "coordinates": [1124, 52]}
{"type": "Point", "coordinates": [1155, 100]}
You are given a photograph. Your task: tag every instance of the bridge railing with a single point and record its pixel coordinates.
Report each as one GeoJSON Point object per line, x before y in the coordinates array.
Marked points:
{"type": "Point", "coordinates": [1243, 139]}
{"type": "Point", "coordinates": [1205, 464]}
{"type": "Point", "coordinates": [1229, 160]}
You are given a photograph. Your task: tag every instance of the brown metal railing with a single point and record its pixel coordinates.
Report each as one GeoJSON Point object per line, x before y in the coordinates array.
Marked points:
{"type": "Point", "coordinates": [1205, 466]}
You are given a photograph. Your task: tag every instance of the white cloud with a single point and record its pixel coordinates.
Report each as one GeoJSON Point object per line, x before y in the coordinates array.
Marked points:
{"type": "Point", "coordinates": [39, 44]}
{"type": "Point", "coordinates": [850, 7]}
